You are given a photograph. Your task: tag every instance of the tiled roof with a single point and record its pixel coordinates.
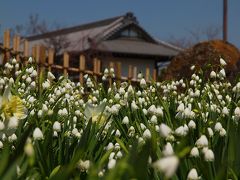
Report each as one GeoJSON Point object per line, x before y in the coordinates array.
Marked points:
{"type": "Point", "coordinates": [97, 35]}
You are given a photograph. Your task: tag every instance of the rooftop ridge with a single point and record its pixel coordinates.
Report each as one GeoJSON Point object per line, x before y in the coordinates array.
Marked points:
{"type": "Point", "coordinates": [75, 28]}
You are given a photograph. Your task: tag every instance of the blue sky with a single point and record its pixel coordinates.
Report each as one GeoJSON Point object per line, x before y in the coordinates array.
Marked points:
{"type": "Point", "coordinates": [161, 18]}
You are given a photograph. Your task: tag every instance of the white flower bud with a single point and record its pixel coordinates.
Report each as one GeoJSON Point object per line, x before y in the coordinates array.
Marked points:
{"type": "Point", "coordinates": [225, 111]}
{"type": "Point", "coordinates": [28, 149]}
{"type": "Point", "coordinates": [180, 108]}
{"type": "Point", "coordinates": [192, 175]}
{"type": "Point", "coordinates": [192, 67]}
{"type": "Point", "coordinates": [119, 154]}
{"type": "Point", "coordinates": [222, 132]}
{"type": "Point", "coordinates": [143, 83]}
{"type": "Point", "coordinates": [165, 131]}
{"type": "Point", "coordinates": [37, 134]}
{"type": "Point", "coordinates": [194, 152]}
{"type": "Point", "coordinates": [202, 142]}
{"type": "Point", "coordinates": [209, 155]}
{"type": "Point", "coordinates": [218, 126]}
{"type": "Point", "coordinates": [118, 133]}
{"type": "Point", "coordinates": [110, 146]}
{"type": "Point", "coordinates": [180, 131]}
{"type": "Point", "coordinates": [147, 134]}
{"type": "Point", "coordinates": [125, 120]}
{"type": "Point", "coordinates": [134, 105]}
{"type": "Point", "coordinates": [210, 132]}
{"type": "Point", "coordinates": [28, 80]}
{"type": "Point", "coordinates": [1, 145]}
{"type": "Point", "coordinates": [153, 119]}
{"type": "Point", "coordinates": [159, 112]}
{"type": "Point", "coordinates": [143, 127]}
{"type": "Point", "coordinates": [12, 138]}
{"type": "Point", "coordinates": [111, 163]}
{"type": "Point", "coordinates": [13, 123]}
{"type": "Point", "coordinates": [237, 112]}
{"type": "Point", "coordinates": [111, 156]}
{"type": "Point", "coordinates": [2, 126]}
{"type": "Point", "coordinates": [40, 113]}
{"type": "Point", "coordinates": [223, 62]}
{"type": "Point", "coordinates": [50, 76]}
{"type": "Point", "coordinates": [64, 112]}
{"type": "Point", "coordinates": [57, 126]}
{"type": "Point", "coordinates": [168, 165]}
{"type": "Point", "coordinates": [222, 73]}
{"type": "Point", "coordinates": [168, 150]}
{"type": "Point", "coordinates": [84, 165]}
{"type": "Point", "coordinates": [213, 74]}
{"type": "Point", "coordinates": [192, 125]}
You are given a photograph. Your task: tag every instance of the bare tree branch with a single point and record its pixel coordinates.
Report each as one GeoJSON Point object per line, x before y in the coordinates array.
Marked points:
{"type": "Point", "coordinates": [195, 36]}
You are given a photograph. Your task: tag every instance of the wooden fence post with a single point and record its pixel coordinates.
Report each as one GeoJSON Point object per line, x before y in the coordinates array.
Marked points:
{"type": "Point", "coordinates": [18, 47]}
{"type": "Point", "coordinates": [95, 68]}
{"type": "Point", "coordinates": [65, 63]}
{"type": "Point", "coordinates": [14, 43]}
{"type": "Point", "coordinates": [135, 72]}
{"type": "Point", "coordinates": [34, 52]}
{"type": "Point", "coordinates": [6, 45]}
{"type": "Point", "coordinates": [42, 57]}
{"type": "Point", "coordinates": [26, 48]}
{"type": "Point", "coordinates": [6, 42]}
{"type": "Point", "coordinates": [130, 73]}
{"type": "Point", "coordinates": [111, 65]}
{"type": "Point", "coordinates": [147, 74]}
{"type": "Point", "coordinates": [81, 67]}
{"type": "Point", "coordinates": [118, 71]}
{"type": "Point", "coordinates": [37, 53]}
{"type": "Point", "coordinates": [50, 59]}
{"type": "Point", "coordinates": [154, 74]}
{"type": "Point", "coordinates": [98, 66]}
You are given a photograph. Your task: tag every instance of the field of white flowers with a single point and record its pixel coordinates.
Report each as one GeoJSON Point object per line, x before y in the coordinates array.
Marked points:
{"type": "Point", "coordinates": [57, 129]}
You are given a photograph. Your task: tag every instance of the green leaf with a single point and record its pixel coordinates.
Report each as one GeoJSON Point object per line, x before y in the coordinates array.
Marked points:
{"type": "Point", "coordinates": [54, 171]}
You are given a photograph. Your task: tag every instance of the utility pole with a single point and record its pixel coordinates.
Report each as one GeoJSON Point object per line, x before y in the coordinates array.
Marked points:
{"type": "Point", "coordinates": [225, 9]}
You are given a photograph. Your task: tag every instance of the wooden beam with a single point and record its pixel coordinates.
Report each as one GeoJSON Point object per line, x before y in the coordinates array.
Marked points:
{"type": "Point", "coordinates": [118, 70]}
{"type": "Point", "coordinates": [18, 43]}
{"type": "Point", "coordinates": [34, 49]}
{"type": "Point", "coordinates": [42, 55]}
{"type": "Point", "coordinates": [98, 66]}
{"type": "Point", "coordinates": [147, 74]}
{"type": "Point", "coordinates": [82, 64]}
{"type": "Point", "coordinates": [37, 51]}
{"type": "Point", "coordinates": [111, 65]}
{"type": "Point", "coordinates": [95, 68]}
{"type": "Point", "coordinates": [14, 43]}
{"type": "Point", "coordinates": [154, 74]}
{"type": "Point", "coordinates": [18, 47]}
{"type": "Point", "coordinates": [7, 39]}
{"type": "Point", "coordinates": [26, 48]}
{"type": "Point", "coordinates": [65, 63]}
{"type": "Point", "coordinates": [135, 72]}
{"type": "Point", "coordinates": [130, 73]}
{"type": "Point", "coordinates": [6, 45]}
{"type": "Point", "coordinates": [50, 59]}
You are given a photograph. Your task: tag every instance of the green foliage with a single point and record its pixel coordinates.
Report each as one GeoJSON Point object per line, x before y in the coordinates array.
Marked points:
{"type": "Point", "coordinates": [137, 129]}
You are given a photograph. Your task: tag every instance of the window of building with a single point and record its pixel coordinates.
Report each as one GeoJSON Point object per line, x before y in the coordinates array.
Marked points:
{"type": "Point", "coordinates": [130, 32]}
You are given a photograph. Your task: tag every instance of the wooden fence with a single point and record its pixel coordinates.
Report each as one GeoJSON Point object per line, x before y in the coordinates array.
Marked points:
{"type": "Point", "coordinates": [19, 48]}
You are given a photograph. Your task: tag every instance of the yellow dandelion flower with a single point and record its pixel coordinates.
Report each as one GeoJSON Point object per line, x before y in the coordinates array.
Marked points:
{"type": "Point", "coordinates": [11, 106]}
{"type": "Point", "coordinates": [96, 113]}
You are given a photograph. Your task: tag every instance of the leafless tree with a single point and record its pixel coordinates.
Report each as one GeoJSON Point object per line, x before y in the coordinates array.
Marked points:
{"type": "Point", "coordinates": [209, 33]}
{"type": "Point", "coordinates": [35, 26]}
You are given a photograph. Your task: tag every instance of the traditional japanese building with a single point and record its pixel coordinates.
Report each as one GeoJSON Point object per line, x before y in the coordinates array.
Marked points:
{"type": "Point", "coordinates": [118, 39]}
